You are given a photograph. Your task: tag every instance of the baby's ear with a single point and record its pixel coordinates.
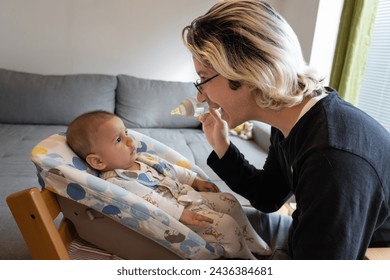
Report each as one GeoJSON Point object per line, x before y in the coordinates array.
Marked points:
{"type": "Point", "coordinates": [95, 162]}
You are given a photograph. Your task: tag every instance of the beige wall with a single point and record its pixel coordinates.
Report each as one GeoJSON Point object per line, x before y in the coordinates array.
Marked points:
{"type": "Point", "coordinates": [135, 37]}
{"type": "Point", "coordinates": [301, 15]}
{"type": "Point", "coordinates": [316, 25]}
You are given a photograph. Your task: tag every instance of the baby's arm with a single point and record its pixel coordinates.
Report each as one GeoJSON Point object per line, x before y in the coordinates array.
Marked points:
{"type": "Point", "coordinates": [201, 185]}
{"type": "Point", "coordinates": [189, 177]}
{"type": "Point", "coordinates": [169, 206]}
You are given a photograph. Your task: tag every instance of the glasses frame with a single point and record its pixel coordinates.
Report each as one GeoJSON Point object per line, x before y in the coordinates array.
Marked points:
{"type": "Point", "coordinates": [199, 84]}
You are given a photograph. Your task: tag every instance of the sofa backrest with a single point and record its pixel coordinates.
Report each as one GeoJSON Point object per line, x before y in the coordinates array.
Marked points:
{"type": "Point", "coordinates": [27, 98]}
{"type": "Point", "coordinates": [148, 103]}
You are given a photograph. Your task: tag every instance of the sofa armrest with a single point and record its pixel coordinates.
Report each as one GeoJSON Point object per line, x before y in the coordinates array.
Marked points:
{"type": "Point", "coordinates": [261, 134]}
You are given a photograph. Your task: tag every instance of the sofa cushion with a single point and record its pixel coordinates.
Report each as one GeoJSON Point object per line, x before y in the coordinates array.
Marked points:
{"type": "Point", "coordinates": [42, 99]}
{"type": "Point", "coordinates": [148, 103]}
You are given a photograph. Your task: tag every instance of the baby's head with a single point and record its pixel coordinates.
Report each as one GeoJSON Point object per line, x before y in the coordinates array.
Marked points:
{"type": "Point", "coordinates": [84, 129]}
{"type": "Point", "coordinates": [100, 138]}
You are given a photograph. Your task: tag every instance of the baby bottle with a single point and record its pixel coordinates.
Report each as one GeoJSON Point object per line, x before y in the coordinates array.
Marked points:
{"type": "Point", "coordinates": [190, 107]}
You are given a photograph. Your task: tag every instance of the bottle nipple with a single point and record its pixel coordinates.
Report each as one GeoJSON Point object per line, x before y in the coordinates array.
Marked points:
{"type": "Point", "coordinates": [176, 111]}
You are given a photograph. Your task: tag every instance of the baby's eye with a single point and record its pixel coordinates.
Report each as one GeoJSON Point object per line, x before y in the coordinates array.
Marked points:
{"type": "Point", "coordinates": [118, 140]}
{"type": "Point", "coordinates": [126, 133]}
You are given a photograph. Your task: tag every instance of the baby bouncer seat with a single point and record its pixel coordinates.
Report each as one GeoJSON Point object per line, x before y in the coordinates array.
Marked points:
{"type": "Point", "coordinates": [99, 212]}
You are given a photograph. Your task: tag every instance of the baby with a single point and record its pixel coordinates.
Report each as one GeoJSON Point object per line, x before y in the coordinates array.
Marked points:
{"type": "Point", "coordinates": [101, 139]}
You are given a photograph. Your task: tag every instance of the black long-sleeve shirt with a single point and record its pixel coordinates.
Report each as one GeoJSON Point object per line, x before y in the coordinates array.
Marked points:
{"type": "Point", "coordinates": [336, 161]}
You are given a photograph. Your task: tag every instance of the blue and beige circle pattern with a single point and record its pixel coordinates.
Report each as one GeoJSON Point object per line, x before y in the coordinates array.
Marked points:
{"type": "Point", "coordinates": [62, 172]}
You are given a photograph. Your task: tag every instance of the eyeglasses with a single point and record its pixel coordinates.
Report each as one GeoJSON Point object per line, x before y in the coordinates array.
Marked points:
{"type": "Point", "coordinates": [198, 84]}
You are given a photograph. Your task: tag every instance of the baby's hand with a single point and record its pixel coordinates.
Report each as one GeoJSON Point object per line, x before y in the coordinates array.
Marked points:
{"type": "Point", "coordinates": [201, 185]}
{"type": "Point", "coordinates": [195, 219]}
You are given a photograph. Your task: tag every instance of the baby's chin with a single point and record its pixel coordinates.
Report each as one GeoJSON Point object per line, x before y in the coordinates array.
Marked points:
{"type": "Point", "coordinates": [133, 165]}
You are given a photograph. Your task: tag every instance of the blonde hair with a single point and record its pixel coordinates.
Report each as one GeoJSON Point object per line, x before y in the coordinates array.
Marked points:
{"type": "Point", "coordinates": [247, 41]}
{"type": "Point", "coordinates": [82, 130]}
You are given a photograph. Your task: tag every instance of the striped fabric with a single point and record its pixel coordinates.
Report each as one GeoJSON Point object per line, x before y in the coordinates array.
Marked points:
{"type": "Point", "coordinates": [80, 249]}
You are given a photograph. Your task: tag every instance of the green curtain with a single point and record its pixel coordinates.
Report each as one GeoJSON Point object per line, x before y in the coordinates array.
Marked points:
{"type": "Point", "coordinates": [357, 21]}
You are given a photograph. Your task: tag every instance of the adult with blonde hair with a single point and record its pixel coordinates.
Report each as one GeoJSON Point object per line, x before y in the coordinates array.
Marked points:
{"type": "Point", "coordinates": [330, 155]}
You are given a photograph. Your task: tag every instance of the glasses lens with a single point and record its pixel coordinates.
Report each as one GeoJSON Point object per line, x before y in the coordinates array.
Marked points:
{"type": "Point", "coordinates": [198, 84]}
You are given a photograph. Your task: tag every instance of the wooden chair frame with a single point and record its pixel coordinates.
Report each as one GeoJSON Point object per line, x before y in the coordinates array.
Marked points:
{"type": "Point", "coordinates": [35, 212]}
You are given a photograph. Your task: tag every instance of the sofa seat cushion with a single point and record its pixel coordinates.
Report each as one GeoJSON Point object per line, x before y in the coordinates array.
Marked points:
{"type": "Point", "coordinates": [17, 173]}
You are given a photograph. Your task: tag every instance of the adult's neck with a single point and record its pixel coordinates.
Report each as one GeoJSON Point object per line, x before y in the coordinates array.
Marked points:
{"type": "Point", "coordinates": [286, 118]}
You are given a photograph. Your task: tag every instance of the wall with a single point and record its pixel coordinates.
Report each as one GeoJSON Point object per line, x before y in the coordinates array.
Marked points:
{"type": "Point", "coordinates": [302, 16]}
{"type": "Point", "coordinates": [325, 36]}
{"type": "Point", "coordinates": [135, 37]}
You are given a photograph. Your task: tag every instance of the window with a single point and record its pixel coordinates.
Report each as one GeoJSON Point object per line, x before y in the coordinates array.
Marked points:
{"type": "Point", "coordinates": [374, 96]}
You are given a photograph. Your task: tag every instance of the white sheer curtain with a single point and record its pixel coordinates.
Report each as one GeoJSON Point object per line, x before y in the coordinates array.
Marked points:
{"type": "Point", "coordinates": [374, 96]}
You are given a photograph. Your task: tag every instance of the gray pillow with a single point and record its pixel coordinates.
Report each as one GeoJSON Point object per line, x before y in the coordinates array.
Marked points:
{"type": "Point", "coordinates": [38, 99]}
{"type": "Point", "coordinates": [148, 103]}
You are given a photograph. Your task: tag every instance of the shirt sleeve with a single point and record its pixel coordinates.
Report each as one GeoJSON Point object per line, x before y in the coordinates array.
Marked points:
{"type": "Point", "coordinates": [265, 188]}
{"type": "Point", "coordinates": [184, 175]}
{"type": "Point", "coordinates": [171, 207]}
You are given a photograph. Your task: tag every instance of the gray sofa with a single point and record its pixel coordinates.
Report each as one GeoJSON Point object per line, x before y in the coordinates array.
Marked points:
{"type": "Point", "coordinates": [33, 107]}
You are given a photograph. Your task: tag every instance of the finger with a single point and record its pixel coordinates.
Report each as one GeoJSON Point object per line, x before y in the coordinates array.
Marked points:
{"type": "Point", "coordinates": [215, 113]}
{"type": "Point", "coordinates": [203, 224]}
{"type": "Point", "coordinates": [200, 217]}
{"type": "Point", "coordinates": [202, 117]}
{"type": "Point", "coordinates": [212, 188]}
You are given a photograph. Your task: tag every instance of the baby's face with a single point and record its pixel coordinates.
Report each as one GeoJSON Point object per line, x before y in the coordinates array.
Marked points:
{"type": "Point", "coordinates": [115, 148]}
